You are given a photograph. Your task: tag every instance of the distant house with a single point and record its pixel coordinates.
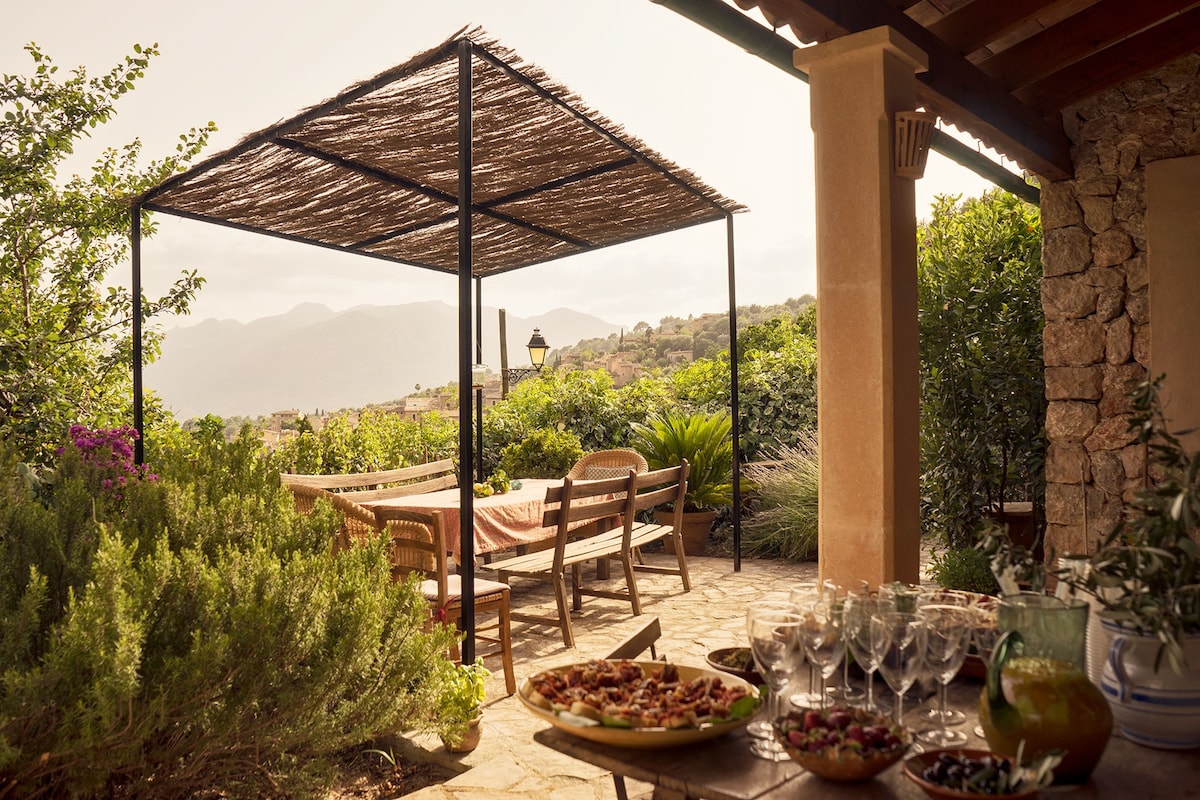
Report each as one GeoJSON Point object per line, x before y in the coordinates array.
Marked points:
{"type": "Point", "coordinates": [680, 357]}
{"type": "Point", "coordinates": [281, 418]}
{"type": "Point", "coordinates": [623, 372]}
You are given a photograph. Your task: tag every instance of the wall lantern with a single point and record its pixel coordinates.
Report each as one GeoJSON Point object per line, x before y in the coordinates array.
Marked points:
{"type": "Point", "coordinates": [914, 133]}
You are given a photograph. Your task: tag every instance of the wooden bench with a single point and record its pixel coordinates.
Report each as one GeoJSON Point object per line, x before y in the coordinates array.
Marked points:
{"type": "Point", "coordinates": [364, 486]}
{"type": "Point", "coordinates": [593, 503]}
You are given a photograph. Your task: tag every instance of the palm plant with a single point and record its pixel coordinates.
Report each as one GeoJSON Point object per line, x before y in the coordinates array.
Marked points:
{"type": "Point", "coordinates": [705, 440]}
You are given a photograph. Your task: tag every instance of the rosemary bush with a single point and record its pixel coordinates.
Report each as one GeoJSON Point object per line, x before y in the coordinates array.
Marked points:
{"type": "Point", "coordinates": [189, 641]}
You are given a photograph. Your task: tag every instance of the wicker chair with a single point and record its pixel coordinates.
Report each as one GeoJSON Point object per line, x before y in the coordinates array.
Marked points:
{"type": "Point", "coordinates": [418, 544]}
{"type": "Point", "coordinates": [358, 523]}
{"type": "Point", "coordinates": [607, 464]}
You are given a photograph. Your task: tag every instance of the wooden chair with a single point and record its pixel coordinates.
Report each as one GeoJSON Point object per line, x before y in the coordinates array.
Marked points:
{"type": "Point", "coordinates": [632, 647]}
{"type": "Point", "coordinates": [663, 486]}
{"type": "Point", "coordinates": [644, 638]}
{"type": "Point", "coordinates": [571, 509]}
{"type": "Point", "coordinates": [418, 544]}
{"type": "Point", "coordinates": [607, 464]}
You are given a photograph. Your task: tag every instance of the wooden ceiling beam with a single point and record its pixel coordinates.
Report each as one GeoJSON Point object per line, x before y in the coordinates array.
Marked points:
{"type": "Point", "coordinates": [1153, 48]}
{"type": "Point", "coordinates": [977, 25]}
{"type": "Point", "coordinates": [1101, 25]}
{"type": "Point", "coordinates": [958, 90]}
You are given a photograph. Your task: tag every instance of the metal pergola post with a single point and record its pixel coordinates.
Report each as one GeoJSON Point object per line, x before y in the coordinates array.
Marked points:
{"type": "Point", "coordinates": [135, 248]}
{"type": "Point", "coordinates": [734, 408]}
{"type": "Point", "coordinates": [479, 391]}
{"type": "Point", "coordinates": [466, 528]}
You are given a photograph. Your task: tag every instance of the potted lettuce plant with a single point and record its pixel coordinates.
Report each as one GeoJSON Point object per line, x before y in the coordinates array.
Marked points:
{"type": "Point", "coordinates": [460, 707]}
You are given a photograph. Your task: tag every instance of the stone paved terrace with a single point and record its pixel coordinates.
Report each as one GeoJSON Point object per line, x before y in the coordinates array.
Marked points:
{"type": "Point", "coordinates": [508, 764]}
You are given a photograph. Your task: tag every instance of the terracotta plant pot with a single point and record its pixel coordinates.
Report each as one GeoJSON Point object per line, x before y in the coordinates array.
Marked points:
{"type": "Point", "coordinates": [696, 527]}
{"type": "Point", "coordinates": [470, 739]}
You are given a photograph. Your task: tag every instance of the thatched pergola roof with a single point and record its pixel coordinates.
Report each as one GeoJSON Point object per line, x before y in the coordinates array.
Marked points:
{"type": "Point", "coordinates": [375, 171]}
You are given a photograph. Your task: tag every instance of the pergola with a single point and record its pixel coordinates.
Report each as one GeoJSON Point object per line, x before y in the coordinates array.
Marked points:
{"type": "Point", "coordinates": [464, 160]}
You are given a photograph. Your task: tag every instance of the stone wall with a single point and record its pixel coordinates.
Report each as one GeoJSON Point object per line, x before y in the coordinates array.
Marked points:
{"type": "Point", "coordinates": [1095, 294]}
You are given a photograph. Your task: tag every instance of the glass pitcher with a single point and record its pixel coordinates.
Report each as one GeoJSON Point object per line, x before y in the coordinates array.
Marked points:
{"type": "Point", "coordinates": [1037, 691]}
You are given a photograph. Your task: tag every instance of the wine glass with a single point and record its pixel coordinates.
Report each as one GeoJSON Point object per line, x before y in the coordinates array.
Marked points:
{"type": "Point", "coordinates": [947, 633]}
{"type": "Point", "coordinates": [938, 715]}
{"type": "Point", "coordinates": [800, 594]}
{"type": "Point", "coordinates": [821, 633]}
{"type": "Point", "coordinates": [858, 609]}
{"type": "Point", "coordinates": [763, 728]}
{"type": "Point", "coordinates": [906, 596]}
{"type": "Point", "coordinates": [837, 591]}
{"type": "Point", "coordinates": [986, 631]}
{"type": "Point", "coordinates": [898, 644]}
{"type": "Point", "coordinates": [775, 643]}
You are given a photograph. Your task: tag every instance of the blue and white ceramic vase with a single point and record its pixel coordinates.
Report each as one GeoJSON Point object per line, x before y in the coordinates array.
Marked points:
{"type": "Point", "coordinates": [1160, 708]}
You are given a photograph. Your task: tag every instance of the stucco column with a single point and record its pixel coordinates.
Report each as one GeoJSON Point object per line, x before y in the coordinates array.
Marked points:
{"type": "Point", "coordinates": [866, 307]}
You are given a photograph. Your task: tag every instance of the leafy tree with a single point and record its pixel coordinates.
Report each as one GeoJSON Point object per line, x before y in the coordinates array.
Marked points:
{"type": "Point", "coordinates": [66, 338]}
{"type": "Point", "coordinates": [543, 454]}
{"type": "Point", "coordinates": [777, 383]}
{"type": "Point", "coordinates": [582, 402]}
{"type": "Point", "coordinates": [983, 397]}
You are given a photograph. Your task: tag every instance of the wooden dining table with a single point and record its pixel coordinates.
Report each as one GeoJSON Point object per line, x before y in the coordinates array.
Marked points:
{"type": "Point", "coordinates": [725, 769]}
{"type": "Point", "coordinates": [501, 521]}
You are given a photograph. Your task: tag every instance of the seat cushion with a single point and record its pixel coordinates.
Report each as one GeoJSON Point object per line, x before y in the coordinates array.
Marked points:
{"type": "Point", "coordinates": [597, 472]}
{"type": "Point", "coordinates": [483, 588]}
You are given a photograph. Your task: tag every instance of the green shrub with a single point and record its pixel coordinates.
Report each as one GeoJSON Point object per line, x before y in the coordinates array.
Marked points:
{"type": "Point", "coordinates": [581, 402]}
{"type": "Point", "coordinates": [983, 399]}
{"type": "Point", "coordinates": [965, 568]}
{"type": "Point", "coordinates": [193, 641]}
{"type": "Point", "coordinates": [543, 454]}
{"type": "Point", "coordinates": [784, 522]}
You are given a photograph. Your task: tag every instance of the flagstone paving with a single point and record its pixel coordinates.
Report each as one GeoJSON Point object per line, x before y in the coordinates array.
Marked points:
{"type": "Point", "coordinates": [508, 763]}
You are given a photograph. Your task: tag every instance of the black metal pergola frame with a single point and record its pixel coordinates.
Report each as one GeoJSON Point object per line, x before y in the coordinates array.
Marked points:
{"type": "Point", "coordinates": [200, 194]}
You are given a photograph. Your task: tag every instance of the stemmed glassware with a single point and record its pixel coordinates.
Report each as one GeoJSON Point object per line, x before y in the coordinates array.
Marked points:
{"type": "Point", "coordinates": [986, 632]}
{"type": "Point", "coordinates": [857, 611]}
{"type": "Point", "coordinates": [898, 644]}
{"type": "Point", "coordinates": [775, 643]}
{"type": "Point", "coordinates": [800, 594]}
{"type": "Point", "coordinates": [837, 591]}
{"type": "Point", "coordinates": [821, 633]}
{"type": "Point", "coordinates": [762, 728]}
{"type": "Point", "coordinates": [947, 635]}
{"type": "Point", "coordinates": [938, 715]}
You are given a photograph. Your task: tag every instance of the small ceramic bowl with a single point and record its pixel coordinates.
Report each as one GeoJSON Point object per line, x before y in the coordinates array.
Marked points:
{"type": "Point", "coordinates": [916, 765]}
{"type": "Point", "coordinates": [736, 661]}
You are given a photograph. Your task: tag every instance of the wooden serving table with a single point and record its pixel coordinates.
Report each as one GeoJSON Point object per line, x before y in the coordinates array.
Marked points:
{"type": "Point", "coordinates": [725, 769]}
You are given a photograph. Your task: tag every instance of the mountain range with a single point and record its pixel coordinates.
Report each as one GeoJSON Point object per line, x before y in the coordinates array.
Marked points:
{"type": "Point", "coordinates": [314, 358]}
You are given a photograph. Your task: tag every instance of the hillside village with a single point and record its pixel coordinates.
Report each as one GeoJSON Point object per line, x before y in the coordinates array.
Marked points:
{"type": "Point", "coordinates": [625, 356]}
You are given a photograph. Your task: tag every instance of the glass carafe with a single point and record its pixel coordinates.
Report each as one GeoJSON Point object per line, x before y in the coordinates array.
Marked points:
{"type": "Point", "coordinates": [1037, 691]}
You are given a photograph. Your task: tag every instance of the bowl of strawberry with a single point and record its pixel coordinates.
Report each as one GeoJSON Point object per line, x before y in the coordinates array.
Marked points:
{"type": "Point", "coordinates": [842, 743]}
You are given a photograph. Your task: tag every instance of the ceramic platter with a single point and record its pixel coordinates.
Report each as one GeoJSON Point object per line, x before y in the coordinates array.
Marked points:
{"type": "Point", "coordinates": [643, 737]}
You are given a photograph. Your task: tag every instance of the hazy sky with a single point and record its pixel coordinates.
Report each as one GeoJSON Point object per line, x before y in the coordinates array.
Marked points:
{"type": "Point", "coordinates": [739, 123]}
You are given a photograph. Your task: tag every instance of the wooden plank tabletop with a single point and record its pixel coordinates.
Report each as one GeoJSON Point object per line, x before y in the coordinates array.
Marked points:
{"type": "Point", "coordinates": [725, 769]}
